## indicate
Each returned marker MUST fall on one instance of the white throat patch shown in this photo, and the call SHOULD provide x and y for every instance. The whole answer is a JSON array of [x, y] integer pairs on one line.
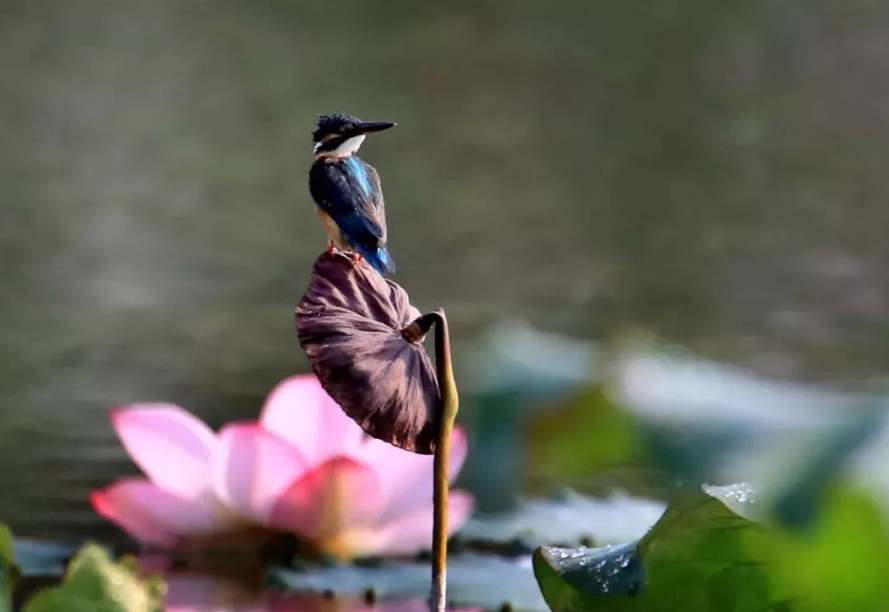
[[350, 146], [346, 149]]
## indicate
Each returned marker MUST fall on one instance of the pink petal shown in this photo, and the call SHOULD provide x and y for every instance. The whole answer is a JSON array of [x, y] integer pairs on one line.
[[406, 478], [300, 411], [412, 533], [253, 468], [172, 447], [331, 499], [157, 517]]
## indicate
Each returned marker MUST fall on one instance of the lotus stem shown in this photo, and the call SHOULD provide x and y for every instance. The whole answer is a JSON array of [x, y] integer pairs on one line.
[[449, 405]]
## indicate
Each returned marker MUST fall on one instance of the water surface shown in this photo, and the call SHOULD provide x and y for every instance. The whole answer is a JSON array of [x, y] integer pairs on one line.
[[712, 173]]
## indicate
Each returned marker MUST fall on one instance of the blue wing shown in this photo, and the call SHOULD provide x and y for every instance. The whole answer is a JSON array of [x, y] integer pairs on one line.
[[349, 191]]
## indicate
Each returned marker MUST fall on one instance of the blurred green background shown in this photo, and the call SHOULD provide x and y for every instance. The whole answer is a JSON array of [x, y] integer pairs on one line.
[[711, 172]]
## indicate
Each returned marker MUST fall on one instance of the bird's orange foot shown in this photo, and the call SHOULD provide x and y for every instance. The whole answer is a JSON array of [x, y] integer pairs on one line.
[[331, 249], [356, 257]]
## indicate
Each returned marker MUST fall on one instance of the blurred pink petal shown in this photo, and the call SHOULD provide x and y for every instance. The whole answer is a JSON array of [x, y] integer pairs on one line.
[[157, 517], [413, 532], [307, 468], [302, 413], [406, 478], [326, 503], [253, 468], [172, 447]]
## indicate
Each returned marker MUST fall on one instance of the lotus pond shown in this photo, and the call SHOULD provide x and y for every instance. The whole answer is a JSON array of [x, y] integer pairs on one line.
[[658, 232], [801, 524]]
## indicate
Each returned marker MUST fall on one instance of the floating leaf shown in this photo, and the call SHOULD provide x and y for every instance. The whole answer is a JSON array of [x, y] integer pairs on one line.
[[95, 583], [473, 580], [589, 435], [842, 561], [700, 557], [570, 518], [668, 384], [350, 323], [610, 570], [516, 372], [741, 499], [9, 571], [707, 422], [713, 422], [513, 357], [703, 556], [40, 558], [814, 465]]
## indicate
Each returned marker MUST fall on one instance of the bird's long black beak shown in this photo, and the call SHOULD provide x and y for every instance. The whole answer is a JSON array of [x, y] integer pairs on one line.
[[368, 127]]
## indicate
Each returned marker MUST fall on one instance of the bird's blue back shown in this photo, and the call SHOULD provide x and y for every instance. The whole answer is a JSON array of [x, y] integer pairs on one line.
[[348, 189], [356, 167]]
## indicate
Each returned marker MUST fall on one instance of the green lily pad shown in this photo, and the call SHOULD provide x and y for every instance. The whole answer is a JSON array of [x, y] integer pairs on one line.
[[610, 570], [842, 561], [559, 444], [94, 582], [705, 421], [816, 465], [9, 571], [42, 558], [707, 555], [700, 557], [515, 372]]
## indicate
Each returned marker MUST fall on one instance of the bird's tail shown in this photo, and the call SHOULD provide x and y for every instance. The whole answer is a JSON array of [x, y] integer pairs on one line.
[[380, 260]]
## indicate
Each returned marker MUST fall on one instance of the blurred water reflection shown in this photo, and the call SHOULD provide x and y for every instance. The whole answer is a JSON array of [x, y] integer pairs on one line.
[[195, 592], [714, 173]]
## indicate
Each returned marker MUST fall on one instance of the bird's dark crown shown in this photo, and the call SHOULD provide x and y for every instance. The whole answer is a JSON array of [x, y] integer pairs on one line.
[[335, 125]]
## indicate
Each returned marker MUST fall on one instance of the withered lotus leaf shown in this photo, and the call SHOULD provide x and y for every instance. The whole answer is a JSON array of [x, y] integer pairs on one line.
[[350, 323]]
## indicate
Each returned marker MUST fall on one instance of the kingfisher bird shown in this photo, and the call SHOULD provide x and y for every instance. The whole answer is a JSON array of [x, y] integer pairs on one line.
[[347, 190]]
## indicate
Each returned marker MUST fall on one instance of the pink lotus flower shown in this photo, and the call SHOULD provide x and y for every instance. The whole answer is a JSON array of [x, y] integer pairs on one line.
[[304, 468]]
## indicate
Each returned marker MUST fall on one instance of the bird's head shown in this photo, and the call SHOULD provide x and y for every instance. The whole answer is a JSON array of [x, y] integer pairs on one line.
[[341, 135]]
